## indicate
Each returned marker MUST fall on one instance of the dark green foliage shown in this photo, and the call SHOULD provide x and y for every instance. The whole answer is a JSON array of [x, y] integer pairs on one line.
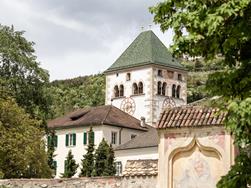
[[88, 158], [110, 169], [101, 158], [219, 30], [77, 93], [104, 160], [22, 151], [51, 144], [22, 74], [70, 166]]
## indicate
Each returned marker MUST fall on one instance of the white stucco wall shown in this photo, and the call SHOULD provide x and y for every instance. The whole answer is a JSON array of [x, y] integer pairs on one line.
[[136, 154], [148, 105], [101, 131]]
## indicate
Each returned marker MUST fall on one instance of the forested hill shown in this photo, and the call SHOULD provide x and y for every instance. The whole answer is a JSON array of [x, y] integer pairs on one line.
[[70, 94], [85, 91]]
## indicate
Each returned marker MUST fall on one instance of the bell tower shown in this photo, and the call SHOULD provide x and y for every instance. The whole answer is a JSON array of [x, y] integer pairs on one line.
[[145, 79]]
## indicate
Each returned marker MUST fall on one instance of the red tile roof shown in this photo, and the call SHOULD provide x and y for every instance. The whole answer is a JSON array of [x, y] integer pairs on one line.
[[147, 167], [190, 116], [101, 115]]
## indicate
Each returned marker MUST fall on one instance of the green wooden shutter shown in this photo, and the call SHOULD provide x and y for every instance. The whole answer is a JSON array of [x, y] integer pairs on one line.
[[66, 140], [55, 141], [74, 139], [93, 136], [48, 140], [85, 138]]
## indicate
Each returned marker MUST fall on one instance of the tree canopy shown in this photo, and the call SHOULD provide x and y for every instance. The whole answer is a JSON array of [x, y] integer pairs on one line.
[[22, 151], [218, 29], [22, 74]]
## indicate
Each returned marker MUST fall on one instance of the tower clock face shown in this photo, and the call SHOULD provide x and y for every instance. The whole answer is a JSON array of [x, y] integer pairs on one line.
[[128, 105], [168, 103]]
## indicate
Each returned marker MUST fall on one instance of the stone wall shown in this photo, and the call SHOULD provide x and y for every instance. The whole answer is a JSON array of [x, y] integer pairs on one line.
[[105, 182]]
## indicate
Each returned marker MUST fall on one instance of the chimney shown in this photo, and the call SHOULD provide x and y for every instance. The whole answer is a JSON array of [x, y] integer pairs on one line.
[[143, 122]]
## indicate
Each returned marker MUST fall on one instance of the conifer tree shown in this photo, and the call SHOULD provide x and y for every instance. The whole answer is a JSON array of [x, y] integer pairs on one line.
[[110, 169], [88, 161], [51, 144], [70, 166], [101, 158]]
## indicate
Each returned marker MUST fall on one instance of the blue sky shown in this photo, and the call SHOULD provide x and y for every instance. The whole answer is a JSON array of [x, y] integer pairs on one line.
[[75, 37]]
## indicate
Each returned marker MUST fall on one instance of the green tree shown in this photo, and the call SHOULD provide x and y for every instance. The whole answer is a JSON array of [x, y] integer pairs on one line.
[[22, 151], [70, 166], [101, 158], [110, 169], [213, 29], [51, 144], [20, 70], [88, 158]]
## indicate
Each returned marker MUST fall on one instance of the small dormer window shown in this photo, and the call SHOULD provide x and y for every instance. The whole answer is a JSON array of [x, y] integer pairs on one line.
[[180, 77], [128, 76], [160, 73]]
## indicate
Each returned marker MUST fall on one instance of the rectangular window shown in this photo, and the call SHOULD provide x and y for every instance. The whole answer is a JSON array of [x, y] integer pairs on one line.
[[160, 73], [114, 138], [128, 76], [133, 136], [118, 166], [70, 139], [54, 168], [180, 77]]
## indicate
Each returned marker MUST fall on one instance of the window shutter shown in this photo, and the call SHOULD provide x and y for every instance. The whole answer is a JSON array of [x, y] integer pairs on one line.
[[65, 164], [48, 140], [93, 134], [55, 141], [66, 140], [85, 138], [74, 139]]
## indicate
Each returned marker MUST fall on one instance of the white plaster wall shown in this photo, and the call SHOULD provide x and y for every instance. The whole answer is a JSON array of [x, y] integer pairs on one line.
[[137, 75], [136, 154], [125, 133], [150, 104], [78, 151], [101, 131]]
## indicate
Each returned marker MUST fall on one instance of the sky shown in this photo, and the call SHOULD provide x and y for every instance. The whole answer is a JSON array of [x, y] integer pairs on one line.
[[80, 37]]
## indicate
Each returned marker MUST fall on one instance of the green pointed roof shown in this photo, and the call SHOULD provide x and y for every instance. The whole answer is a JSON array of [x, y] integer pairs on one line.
[[145, 49]]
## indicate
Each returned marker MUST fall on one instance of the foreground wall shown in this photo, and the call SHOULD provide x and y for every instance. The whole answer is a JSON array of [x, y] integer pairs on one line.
[[109, 182]]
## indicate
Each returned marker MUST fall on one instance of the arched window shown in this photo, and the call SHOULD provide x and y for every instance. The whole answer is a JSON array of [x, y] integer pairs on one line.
[[116, 91], [159, 88], [135, 89], [164, 88], [121, 90], [140, 88], [178, 92], [174, 90]]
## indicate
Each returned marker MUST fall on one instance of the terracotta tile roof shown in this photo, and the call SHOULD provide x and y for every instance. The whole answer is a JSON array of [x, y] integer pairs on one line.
[[147, 167], [101, 115], [148, 139], [190, 116]]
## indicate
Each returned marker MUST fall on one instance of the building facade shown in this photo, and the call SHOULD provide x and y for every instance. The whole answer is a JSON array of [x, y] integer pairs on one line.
[[145, 79]]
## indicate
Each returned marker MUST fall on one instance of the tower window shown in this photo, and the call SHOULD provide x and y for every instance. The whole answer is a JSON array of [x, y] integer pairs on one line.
[[164, 88], [121, 90], [135, 89], [174, 90], [128, 76], [159, 88], [140, 88], [160, 73], [178, 92], [116, 91], [180, 77]]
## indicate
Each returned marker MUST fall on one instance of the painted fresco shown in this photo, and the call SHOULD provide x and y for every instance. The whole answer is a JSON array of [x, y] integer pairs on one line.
[[196, 169]]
